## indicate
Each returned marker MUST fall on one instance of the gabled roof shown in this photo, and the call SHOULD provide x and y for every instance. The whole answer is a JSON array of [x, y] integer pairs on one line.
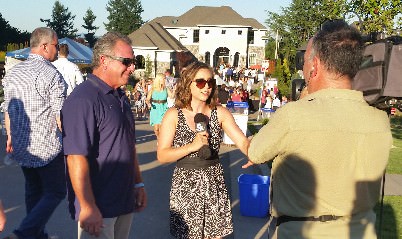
[[213, 16], [154, 35], [255, 24]]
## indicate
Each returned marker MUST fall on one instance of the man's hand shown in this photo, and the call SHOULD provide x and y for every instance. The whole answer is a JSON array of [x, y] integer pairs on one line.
[[2, 217], [91, 220], [248, 164], [141, 199], [9, 146]]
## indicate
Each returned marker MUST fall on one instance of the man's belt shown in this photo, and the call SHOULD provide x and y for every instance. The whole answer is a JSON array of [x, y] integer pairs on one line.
[[322, 218], [159, 101]]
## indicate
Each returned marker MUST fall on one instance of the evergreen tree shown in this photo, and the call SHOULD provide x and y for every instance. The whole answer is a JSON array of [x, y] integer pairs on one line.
[[124, 16], [11, 34], [62, 21], [89, 19], [270, 49]]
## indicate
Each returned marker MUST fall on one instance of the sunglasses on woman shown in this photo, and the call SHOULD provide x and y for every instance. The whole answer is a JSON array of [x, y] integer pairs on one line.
[[200, 83]]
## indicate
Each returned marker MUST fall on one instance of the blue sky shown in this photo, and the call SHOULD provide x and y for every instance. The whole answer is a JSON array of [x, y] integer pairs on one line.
[[25, 14]]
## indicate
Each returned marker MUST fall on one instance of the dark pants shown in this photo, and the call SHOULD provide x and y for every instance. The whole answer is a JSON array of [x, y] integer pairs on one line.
[[45, 188]]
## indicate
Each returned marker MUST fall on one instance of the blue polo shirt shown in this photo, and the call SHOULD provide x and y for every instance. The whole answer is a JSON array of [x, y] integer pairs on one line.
[[98, 123]]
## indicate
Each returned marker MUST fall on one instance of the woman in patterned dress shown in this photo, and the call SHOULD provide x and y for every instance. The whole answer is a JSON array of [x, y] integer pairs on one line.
[[140, 103], [199, 202]]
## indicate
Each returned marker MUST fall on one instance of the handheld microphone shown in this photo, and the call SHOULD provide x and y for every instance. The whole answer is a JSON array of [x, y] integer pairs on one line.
[[200, 121]]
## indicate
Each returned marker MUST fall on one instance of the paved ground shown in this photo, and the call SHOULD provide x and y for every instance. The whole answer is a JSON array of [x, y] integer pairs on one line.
[[153, 222]]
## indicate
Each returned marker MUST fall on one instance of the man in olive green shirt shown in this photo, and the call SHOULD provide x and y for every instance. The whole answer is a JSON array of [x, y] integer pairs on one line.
[[330, 148]]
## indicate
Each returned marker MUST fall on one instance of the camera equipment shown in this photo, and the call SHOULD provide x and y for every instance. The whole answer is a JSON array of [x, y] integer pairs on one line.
[[297, 87], [379, 76]]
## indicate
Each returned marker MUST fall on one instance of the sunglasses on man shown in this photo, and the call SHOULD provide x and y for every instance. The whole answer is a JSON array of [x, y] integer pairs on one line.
[[200, 83], [125, 61]]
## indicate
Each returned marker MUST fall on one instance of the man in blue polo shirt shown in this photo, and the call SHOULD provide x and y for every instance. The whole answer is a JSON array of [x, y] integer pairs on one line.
[[99, 141]]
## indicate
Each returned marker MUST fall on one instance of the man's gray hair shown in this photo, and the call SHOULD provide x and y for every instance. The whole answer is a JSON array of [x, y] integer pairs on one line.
[[41, 35], [105, 46]]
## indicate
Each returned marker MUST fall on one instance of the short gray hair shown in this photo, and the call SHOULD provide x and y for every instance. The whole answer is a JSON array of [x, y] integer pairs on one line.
[[40, 35], [105, 45]]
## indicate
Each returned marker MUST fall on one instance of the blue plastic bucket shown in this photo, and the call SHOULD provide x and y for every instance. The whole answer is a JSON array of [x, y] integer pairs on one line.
[[254, 195]]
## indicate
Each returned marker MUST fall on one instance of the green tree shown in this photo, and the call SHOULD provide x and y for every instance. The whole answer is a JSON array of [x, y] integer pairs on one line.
[[62, 21], [378, 16], [148, 66], [295, 25], [124, 16], [300, 21], [270, 49], [11, 34], [283, 75], [89, 19]]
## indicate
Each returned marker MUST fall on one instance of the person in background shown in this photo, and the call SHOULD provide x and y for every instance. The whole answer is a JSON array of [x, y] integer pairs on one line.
[[71, 73], [171, 83], [34, 94], [284, 100], [236, 96], [105, 183], [3, 218], [157, 102], [276, 103], [199, 201], [140, 104], [329, 132]]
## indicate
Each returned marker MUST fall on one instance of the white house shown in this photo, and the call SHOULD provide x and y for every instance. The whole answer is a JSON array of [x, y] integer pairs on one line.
[[211, 34]]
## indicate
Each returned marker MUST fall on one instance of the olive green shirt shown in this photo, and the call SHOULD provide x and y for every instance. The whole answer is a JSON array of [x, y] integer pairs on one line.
[[330, 150]]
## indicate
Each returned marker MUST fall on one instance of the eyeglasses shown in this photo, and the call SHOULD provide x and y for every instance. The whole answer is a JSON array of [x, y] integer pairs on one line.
[[125, 61], [56, 45], [200, 83]]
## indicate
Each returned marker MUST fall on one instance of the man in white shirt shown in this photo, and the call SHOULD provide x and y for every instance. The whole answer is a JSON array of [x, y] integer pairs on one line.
[[70, 71]]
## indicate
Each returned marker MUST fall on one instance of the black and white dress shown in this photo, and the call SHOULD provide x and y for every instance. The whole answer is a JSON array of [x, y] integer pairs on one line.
[[199, 200]]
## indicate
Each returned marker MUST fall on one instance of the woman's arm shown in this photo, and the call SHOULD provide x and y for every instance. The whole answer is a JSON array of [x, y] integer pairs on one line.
[[149, 97], [165, 152]]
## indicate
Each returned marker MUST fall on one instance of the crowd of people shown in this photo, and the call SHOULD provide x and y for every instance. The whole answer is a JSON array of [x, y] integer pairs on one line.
[[327, 166], [242, 85]]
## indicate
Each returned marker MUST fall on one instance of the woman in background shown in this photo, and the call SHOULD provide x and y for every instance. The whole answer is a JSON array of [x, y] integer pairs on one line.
[[141, 96], [157, 102]]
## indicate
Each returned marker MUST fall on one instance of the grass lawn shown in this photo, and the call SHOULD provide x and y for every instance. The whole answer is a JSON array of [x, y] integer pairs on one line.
[[392, 218], [392, 211]]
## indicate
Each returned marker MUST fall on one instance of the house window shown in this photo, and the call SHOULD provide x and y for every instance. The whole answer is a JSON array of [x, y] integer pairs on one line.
[[208, 57], [206, 31], [239, 32], [250, 37], [252, 59], [223, 31], [196, 36]]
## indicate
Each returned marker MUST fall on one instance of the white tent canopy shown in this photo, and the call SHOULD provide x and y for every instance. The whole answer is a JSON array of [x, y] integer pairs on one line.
[[78, 53]]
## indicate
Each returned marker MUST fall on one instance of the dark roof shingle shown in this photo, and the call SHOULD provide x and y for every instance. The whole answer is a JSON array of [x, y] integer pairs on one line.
[[154, 35]]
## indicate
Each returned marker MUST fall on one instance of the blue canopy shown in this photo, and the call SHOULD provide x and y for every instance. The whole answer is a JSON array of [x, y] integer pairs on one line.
[[78, 53]]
